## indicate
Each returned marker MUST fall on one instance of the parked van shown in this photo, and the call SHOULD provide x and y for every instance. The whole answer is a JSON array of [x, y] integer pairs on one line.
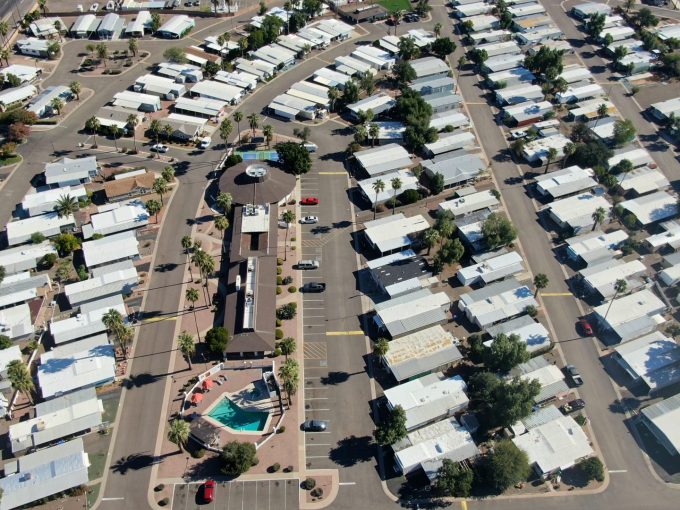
[[308, 264], [311, 147]]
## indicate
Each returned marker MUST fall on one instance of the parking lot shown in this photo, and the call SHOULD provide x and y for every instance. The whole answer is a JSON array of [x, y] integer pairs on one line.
[[260, 495]]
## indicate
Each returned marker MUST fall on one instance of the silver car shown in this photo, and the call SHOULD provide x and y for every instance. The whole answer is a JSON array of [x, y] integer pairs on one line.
[[308, 264]]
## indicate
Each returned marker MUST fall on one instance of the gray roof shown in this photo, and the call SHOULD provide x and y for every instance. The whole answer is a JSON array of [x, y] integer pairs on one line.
[[490, 291], [507, 327], [401, 270], [541, 417], [425, 363], [455, 167], [67, 168], [658, 415], [443, 99], [427, 83]]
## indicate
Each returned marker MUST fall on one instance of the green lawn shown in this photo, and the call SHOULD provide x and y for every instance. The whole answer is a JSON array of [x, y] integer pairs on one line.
[[92, 494], [96, 469], [10, 161], [396, 5]]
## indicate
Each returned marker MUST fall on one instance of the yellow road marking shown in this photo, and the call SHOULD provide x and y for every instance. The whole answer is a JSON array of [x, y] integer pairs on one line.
[[555, 294], [332, 173], [463, 505], [158, 319], [344, 333]]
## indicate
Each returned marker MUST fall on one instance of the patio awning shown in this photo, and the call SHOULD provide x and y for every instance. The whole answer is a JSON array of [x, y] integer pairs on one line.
[[196, 398], [207, 384]]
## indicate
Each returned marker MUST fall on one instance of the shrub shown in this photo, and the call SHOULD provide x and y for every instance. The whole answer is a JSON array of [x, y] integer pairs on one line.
[[288, 280], [592, 468], [277, 352], [580, 419], [198, 454], [217, 339], [317, 493], [232, 159], [309, 484], [279, 334], [292, 289], [288, 469], [531, 311], [292, 248], [286, 312], [410, 196], [278, 323], [380, 208], [275, 467], [159, 487], [279, 261], [279, 270], [48, 260], [164, 502], [281, 430], [292, 201], [279, 280], [293, 239], [5, 342], [278, 290]]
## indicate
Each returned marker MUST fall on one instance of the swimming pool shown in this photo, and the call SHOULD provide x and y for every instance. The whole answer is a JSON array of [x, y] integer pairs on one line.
[[231, 415]]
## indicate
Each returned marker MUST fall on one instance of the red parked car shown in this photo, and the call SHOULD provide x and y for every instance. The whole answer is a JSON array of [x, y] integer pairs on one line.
[[309, 201], [208, 491], [585, 327]]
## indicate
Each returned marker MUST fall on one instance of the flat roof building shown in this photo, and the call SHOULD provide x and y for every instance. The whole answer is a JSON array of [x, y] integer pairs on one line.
[[16, 322], [595, 247], [111, 26], [483, 22], [565, 182], [137, 101], [653, 359], [71, 172], [579, 92], [496, 302], [22, 287], [653, 207], [176, 27], [33, 47], [41, 105], [429, 66], [352, 66], [113, 248], [119, 281], [383, 159], [117, 219], [218, 91], [394, 232], [600, 279], [400, 273], [200, 107], [532, 333], [428, 399], [641, 181], [536, 151], [632, 315], [16, 95], [450, 119], [453, 142], [139, 25], [331, 78], [669, 237], [470, 203], [502, 63], [576, 212], [165, 88], [414, 311], [517, 94], [377, 58], [49, 225], [491, 269], [638, 157], [549, 376], [433, 85], [511, 77], [24, 258], [587, 9], [527, 113], [407, 178], [84, 26], [86, 323], [662, 419], [36, 203], [238, 79], [377, 103]]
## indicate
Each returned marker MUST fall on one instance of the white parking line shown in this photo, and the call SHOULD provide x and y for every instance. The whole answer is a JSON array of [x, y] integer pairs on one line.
[[318, 444], [317, 410], [310, 308], [316, 398], [313, 300], [315, 316], [317, 456], [347, 483], [317, 388]]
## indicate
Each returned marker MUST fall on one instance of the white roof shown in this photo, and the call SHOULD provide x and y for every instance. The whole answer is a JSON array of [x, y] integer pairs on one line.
[[335, 26], [177, 24], [566, 181], [12, 353], [21, 287], [670, 31], [538, 149], [589, 8], [134, 100], [528, 110], [617, 32], [428, 66], [518, 74], [532, 333], [125, 217], [44, 201], [473, 9], [376, 102], [349, 65], [421, 37], [141, 21], [115, 282], [392, 232], [110, 248], [497, 302], [499, 48], [407, 178], [13, 95], [238, 79], [626, 310], [526, 10], [602, 277], [588, 108], [217, 90], [330, 78], [26, 257], [653, 207], [15, 322], [67, 169], [374, 55], [48, 224], [24, 73], [577, 211], [545, 375], [575, 73], [451, 142], [580, 91], [410, 312], [492, 269], [503, 62], [470, 203], [665, 416], [86, 323], [444, 439], [670, 275], [482, 22], [383, 159], [643, 180], [638, 157], [80, 364], [43, 473], [428, 398], [85, 23], [453, 118], [558, 444], [200, 105], [654, 358], [670, 236], [160, 84], [33, 44], [596, 245]]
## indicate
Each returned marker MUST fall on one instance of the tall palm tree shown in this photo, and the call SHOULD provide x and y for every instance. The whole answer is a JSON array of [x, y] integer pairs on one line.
[[238, 117], [66, 205], [20, 378], [160, 186], [42, 5], [254, 122], [288, 217], [287, 346], [569, 149], [289, 372], [396, 186], [57, 104], [186, 345], [226, 127], [333, 95], [113, 320], [191, 295], [598, 216], [93, 126], [381, 348], [378, 187], [197, 258], [153, 207], [431, 238], [540, 282], [287, 7], [268, 133], [224, 201], [132, 121], [397, 16], [373, 132], [178, 433], [620, 286], [206, 265], [221, 224], [550, 157], [155, 129], [187, 243], [75, 88], [4, 30]]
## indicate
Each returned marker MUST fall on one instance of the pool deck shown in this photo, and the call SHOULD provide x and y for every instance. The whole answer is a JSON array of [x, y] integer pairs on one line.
[[244, 399]]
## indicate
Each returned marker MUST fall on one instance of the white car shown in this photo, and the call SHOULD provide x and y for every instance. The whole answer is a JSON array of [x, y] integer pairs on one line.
[[159, 147], [204, 143], [310, 219]]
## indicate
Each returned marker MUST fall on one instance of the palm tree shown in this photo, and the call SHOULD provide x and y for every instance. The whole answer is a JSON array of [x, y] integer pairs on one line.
[[178, 433], [540, 282], [168, 131], [287, 346], [225, 132], [333, 95], [380, 348], [57, 104], [221, 224], [373, 132], [287, 6], [268, 132], [4, 55], [191, 295], [224, 201], [4, 30], [113, 320], [238, 117], [206, 265], [396, 186], [254, 122], [75, 88], [132, 46], [289, 372], [20, 378], [437, 29], [397, 15], [569, 149], [160, 186], [93, 125], [153, 207], [303, 134], [550, 157], [378, 187], [186, 345], [602, 110], [42, 5], [598, 216], [288, 217], [58, 27], [620, 286], [116, 132], [66, 205], [155, 129], [431, 238], [243, 44], [132, 121], [102, 52], [187, 243]]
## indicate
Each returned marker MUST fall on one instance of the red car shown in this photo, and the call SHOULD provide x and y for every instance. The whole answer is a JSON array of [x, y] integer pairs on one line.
[[208, 491], [309, 201], [586, 328]]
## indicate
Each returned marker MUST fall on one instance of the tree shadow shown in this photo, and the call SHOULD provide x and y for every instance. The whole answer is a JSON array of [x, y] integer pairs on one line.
[[353, 450], [136, 462], [139, 380]]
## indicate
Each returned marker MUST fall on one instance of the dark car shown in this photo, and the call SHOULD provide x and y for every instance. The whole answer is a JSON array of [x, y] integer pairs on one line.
[[208, 491], [585, 327], [574, 405], [309, 201], [315, 426], [314, 287], [574, 375]]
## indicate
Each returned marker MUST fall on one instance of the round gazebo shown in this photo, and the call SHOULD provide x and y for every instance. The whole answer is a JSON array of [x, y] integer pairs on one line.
[[257, 182]]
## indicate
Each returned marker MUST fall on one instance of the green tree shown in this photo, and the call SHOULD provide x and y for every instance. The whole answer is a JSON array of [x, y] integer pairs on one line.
[[160, 187], [505, 353], [505, 466], [540, 282], [598, 216], [431, 238], [133, 46], [378, 186], [408, 49], [592, 468], [392, 428], [191, 295], [92, 124], [238, 117], [645, 18], [37, 237], [289, 372], [454, 480], [396, 186], [568, 151], [550, 157], [288, 217], [545, 59], [437, 29], [294, 158], [268, 133], [168, 174], [66, 205], [175, 55], [498, 231], [218, 338], [153, 207], [238, 458], [381, 347], [253, 122], [333, 95], [595, 24], [437, 183], [500, 403], [186, 345], [373, 132], [75, 89], [367, 83], [396, 16], [479, 56], [20, 378], [226, 127], [5, 342], [224, 201], [403, 73], [221, 224], [443, 47], [102, 52], [66, 243], [287, 346], [624, 132], [178, 433], [4, 30], [42, 5], [350, 94]]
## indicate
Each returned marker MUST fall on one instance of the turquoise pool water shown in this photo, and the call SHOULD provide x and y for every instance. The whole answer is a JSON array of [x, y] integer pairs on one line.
[[231, 415]]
